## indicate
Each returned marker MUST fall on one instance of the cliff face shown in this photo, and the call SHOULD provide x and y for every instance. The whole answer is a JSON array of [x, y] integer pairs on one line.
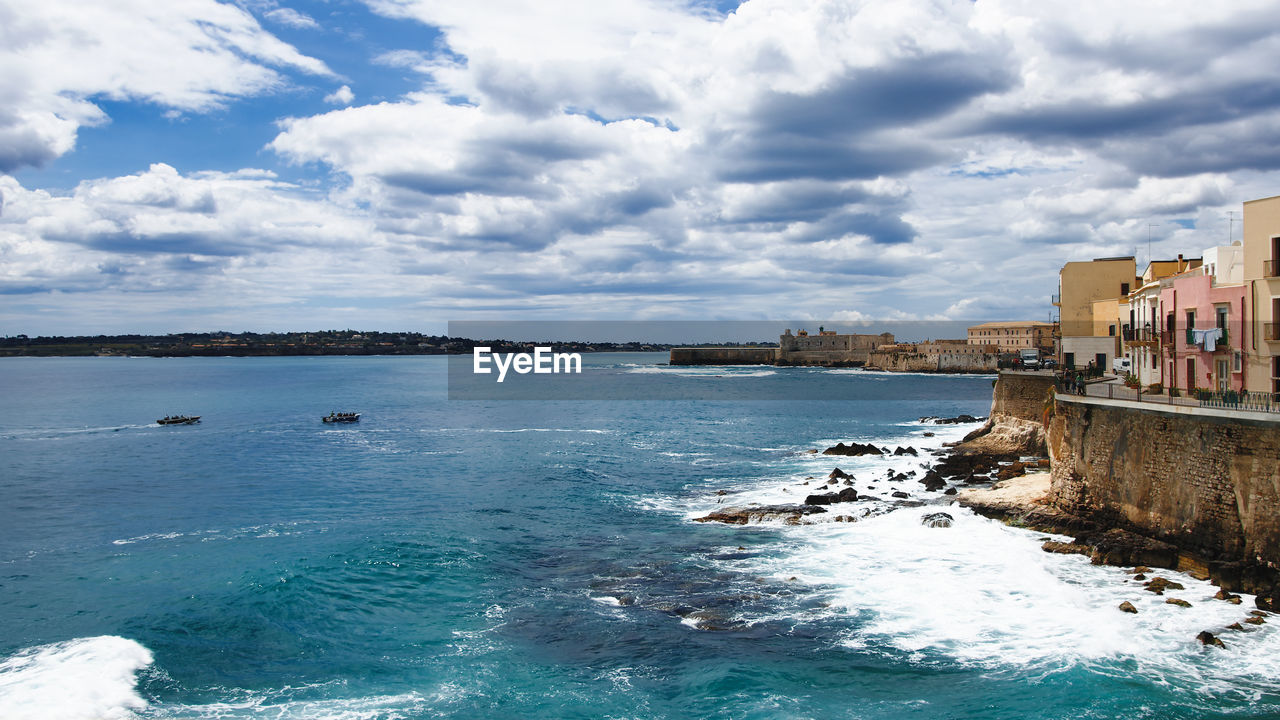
[[1015, 425]]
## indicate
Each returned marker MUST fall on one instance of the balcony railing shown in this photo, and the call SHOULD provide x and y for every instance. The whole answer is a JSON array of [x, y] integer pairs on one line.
[[1271, 331], [1056, 298], [1271, 268]]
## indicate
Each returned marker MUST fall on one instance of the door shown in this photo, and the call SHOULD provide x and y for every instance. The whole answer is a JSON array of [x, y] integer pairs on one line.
[[1224, 376], [1069, 360], [1100, 362], [1191, 374]]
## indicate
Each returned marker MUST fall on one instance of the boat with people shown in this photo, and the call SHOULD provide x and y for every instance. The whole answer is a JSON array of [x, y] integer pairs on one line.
[[334, 417], [178, 420]]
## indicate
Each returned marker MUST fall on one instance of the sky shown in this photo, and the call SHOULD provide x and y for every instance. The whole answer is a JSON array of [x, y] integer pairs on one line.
[[271, 165]]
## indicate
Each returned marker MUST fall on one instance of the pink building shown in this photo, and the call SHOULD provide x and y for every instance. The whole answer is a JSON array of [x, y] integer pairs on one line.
[[1204, 326]]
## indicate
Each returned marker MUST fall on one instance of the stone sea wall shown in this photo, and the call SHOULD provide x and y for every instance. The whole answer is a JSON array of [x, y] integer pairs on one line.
[[1205, 482], [1015, 424], [723, 356], [934, 362]]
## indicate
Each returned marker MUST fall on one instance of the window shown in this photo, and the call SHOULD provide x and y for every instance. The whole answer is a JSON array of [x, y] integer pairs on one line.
[[1124, 288], [1111, 330], [1237, 361]]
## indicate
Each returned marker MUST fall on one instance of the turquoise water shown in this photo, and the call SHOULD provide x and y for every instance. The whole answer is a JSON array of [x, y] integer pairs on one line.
[[538, 559]]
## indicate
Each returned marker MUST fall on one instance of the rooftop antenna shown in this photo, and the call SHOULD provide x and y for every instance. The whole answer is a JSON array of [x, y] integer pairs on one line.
[[1231, 226]]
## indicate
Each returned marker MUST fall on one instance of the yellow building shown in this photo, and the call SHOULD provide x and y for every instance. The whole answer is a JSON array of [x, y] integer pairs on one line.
[[1262, 280], [1080, 285], [1014, 335]]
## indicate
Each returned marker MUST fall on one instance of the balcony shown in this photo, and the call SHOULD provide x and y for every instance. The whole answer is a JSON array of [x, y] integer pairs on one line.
[[1141, 337], [1271, 268], [1056, 299], [1222, 343], [1271, 331]]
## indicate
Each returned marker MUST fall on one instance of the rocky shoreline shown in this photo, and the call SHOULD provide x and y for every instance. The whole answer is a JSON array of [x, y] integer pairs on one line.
[[1000, 471]]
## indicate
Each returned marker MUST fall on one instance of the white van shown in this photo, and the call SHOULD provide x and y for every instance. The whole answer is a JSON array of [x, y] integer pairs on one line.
[[1122, 366], [1030, 358]]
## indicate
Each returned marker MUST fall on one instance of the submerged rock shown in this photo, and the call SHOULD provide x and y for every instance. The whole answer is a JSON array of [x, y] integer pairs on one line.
[[951, 421], [1256, 620], [761, 513], [1228, 596], [1128, 607], [1064, 548], [937, 520], [1158, 585], [845, 495], [1235, 626], [853, 449], [1207, 638], [1178, 602]]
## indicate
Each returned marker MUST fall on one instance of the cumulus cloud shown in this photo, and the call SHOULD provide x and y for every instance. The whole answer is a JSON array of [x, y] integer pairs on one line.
[[57, 58], [292, 18], [341, 96], [910, 159]]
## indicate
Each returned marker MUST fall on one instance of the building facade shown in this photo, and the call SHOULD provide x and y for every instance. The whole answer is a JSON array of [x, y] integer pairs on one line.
[[1013, 336], [1080, 286], [1262, 282]]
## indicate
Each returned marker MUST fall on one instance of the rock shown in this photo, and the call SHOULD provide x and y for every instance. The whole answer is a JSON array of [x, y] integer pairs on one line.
[[1044, 463], [900, 494], [1267, 603], [839, 474], [1178, 602], [1207, 638], [1256, 621], [761, 513], [1128, 607], [1141, 569], [845, 495], [932, 481], [853, 449], [1012, 470], [1063, 548], [1121, 547], [950, 491], [1139, 576], [1226, 595], [1158, 585], [952, 421], [1257, 613], [722, 492], [937, 520], [908, 450], [1235, 626], [811, 451], [928, 434]]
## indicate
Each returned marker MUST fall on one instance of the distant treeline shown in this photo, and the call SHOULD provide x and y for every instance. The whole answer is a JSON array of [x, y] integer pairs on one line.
[[326, 342]]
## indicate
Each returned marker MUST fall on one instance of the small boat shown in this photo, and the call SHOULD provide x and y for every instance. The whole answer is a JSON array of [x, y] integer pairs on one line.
[[179, 420], [341, 417]]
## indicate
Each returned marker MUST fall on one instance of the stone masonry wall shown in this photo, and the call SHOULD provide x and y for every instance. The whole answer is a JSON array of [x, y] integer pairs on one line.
[[723, 356], [1021, 395], [1210, 485]]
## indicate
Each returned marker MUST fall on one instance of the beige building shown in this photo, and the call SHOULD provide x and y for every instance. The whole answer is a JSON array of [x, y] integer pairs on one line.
[[1262, 293], [1014, 335], [1080, 286]]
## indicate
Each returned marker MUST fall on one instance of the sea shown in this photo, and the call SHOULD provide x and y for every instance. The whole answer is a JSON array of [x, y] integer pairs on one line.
[[499, 558]]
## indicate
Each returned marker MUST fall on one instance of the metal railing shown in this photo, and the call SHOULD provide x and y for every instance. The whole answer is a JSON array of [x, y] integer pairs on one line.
[[1271, 268], [1055, 299], [1228, 400], [1271, 330]]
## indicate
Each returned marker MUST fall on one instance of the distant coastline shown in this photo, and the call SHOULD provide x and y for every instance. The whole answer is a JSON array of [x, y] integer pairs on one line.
[[327, 342]]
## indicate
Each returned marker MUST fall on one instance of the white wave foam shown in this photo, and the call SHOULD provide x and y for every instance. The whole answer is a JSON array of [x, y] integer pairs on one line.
[[378, 707], [707, 371], [89, 678], [983, 593]]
